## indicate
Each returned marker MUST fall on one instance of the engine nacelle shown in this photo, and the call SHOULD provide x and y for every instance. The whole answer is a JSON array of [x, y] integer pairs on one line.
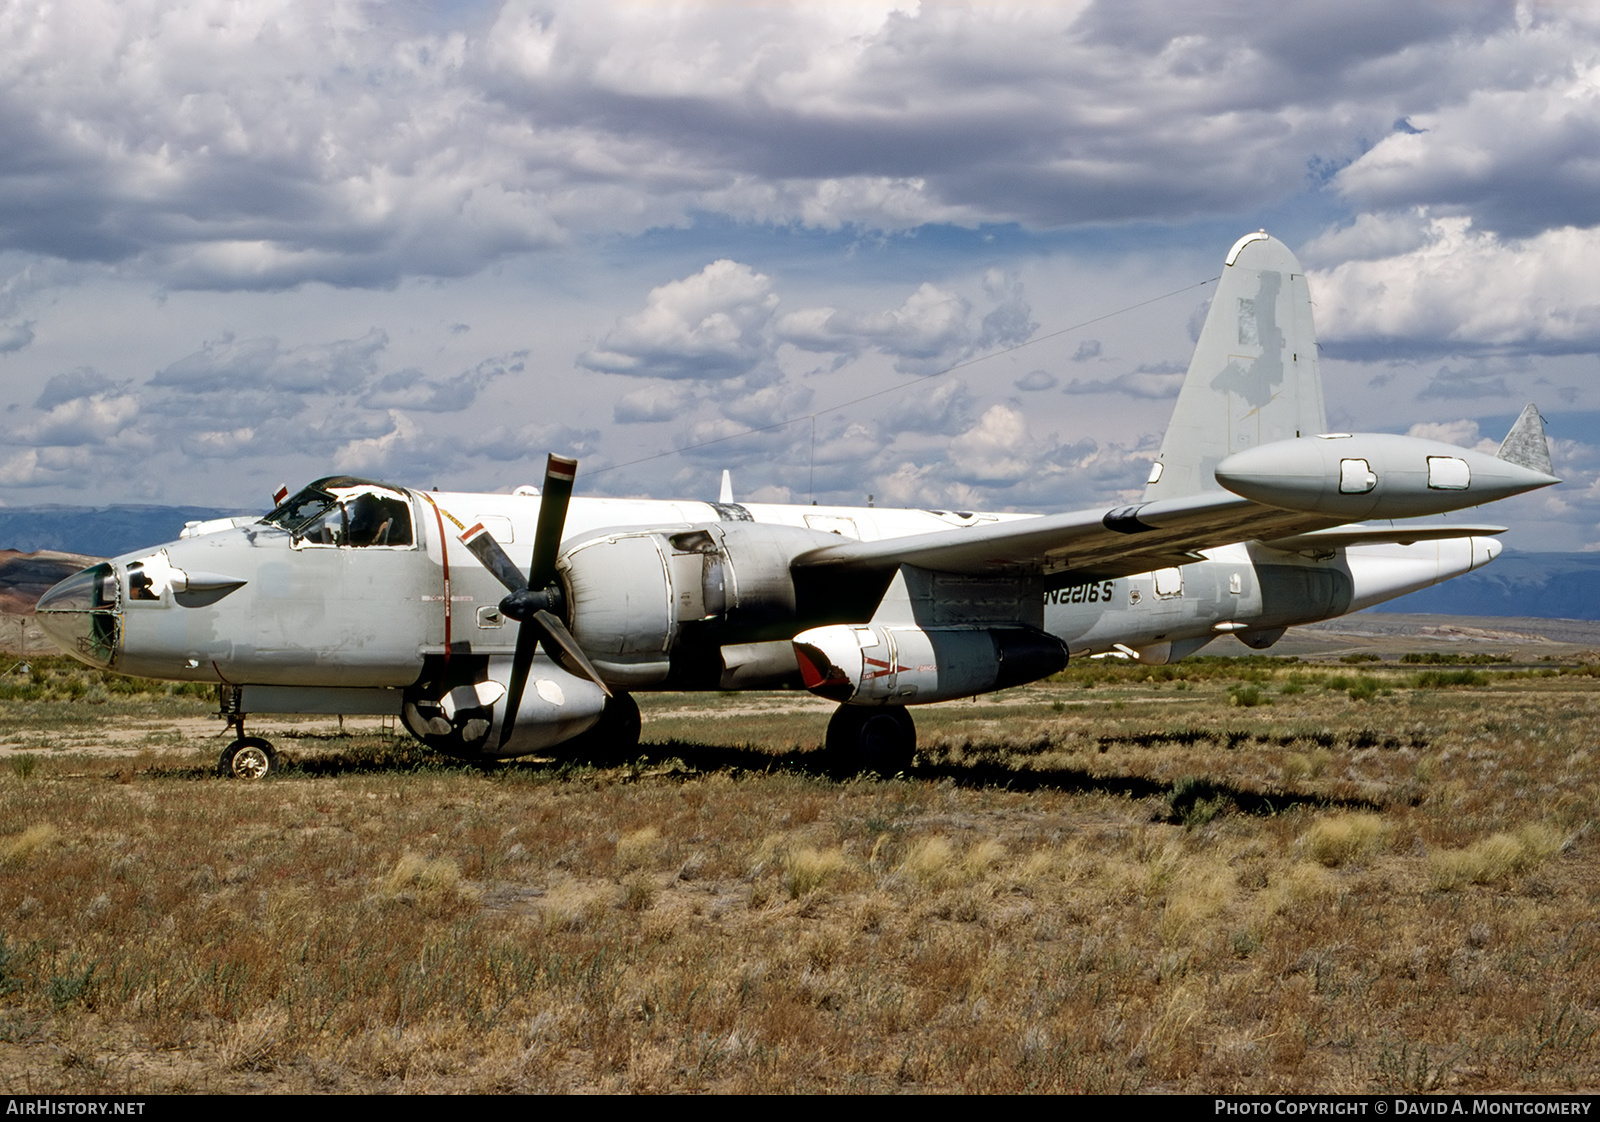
[[459, 707], [876, 664], [631, 594]]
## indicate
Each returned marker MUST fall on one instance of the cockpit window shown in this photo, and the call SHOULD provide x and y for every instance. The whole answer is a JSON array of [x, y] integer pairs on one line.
[[295, 512], [346, 512], [374, 519]]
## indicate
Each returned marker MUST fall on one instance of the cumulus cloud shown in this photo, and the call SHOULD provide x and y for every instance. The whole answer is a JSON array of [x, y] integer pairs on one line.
[[930, 332], [945, 408], [1370, 237], [75, 383], [261, 146], [531, 442], [226, 364], [1035, 380], [82, 420], [15, 336], [1464, 432], [998, 450], [1466, 290], [710, 325], [767, 405], [657, 402], [377, 452], [1518, 152], [1151, 382], [44, 467], [412, 389]]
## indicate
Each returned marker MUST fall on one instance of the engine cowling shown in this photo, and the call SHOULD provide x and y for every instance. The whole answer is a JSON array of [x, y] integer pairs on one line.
[[636, 596], [876, 664]]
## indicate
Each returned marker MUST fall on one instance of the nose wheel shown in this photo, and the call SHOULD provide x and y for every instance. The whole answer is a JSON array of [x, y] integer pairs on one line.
[[249, 757]]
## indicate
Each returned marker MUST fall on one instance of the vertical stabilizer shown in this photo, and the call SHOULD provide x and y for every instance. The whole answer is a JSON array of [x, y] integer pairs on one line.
[[1525, 445], [1253, 378]]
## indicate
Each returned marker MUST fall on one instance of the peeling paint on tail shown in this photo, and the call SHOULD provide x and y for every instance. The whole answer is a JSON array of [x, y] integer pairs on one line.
[[1254, 376]]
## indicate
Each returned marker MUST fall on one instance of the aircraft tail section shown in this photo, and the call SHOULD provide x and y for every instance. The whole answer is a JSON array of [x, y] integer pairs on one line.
[[1253, 377]]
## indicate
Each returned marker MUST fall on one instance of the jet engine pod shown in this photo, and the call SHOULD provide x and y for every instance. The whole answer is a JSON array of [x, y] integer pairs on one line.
[[875, 664], [1373, 475]]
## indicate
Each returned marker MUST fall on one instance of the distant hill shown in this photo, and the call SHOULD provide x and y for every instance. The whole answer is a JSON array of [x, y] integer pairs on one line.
[[24, 577], [97, 531], [1541, 585]]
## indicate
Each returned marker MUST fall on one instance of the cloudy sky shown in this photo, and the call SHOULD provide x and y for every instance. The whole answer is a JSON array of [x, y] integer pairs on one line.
[[941, 254]]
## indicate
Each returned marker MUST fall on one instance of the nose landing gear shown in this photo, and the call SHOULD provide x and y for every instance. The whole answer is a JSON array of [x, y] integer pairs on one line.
[[248, 757]]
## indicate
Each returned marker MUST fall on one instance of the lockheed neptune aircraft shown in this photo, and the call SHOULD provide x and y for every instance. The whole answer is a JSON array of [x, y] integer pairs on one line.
[[358, 597]]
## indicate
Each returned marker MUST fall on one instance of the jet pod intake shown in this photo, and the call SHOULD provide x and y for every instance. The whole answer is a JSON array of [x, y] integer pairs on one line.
[[1373, 475], [903, 665]]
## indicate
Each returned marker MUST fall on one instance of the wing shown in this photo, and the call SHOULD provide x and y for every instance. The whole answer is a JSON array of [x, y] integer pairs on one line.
[[1084, 545], [1102, 544]]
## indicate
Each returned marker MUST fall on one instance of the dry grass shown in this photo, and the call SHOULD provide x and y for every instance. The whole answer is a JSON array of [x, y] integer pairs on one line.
[[433, 886], [24, 847], [1494, 859], [1121, 888], [1342, 838]]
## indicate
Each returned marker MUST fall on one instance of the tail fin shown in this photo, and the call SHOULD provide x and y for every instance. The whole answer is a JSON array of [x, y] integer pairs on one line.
[[1525, 445], [1253, 377]]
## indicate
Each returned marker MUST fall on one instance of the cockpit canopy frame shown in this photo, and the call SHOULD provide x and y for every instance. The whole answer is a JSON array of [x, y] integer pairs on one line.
[[345, 511]]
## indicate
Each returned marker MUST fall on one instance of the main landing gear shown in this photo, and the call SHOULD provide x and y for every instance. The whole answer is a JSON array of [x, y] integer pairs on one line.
[[615, 736], [863, 738]]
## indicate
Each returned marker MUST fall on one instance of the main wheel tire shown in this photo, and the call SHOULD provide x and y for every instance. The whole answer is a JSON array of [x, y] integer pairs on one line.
[[614, 736], [249, 757], [863, 739]]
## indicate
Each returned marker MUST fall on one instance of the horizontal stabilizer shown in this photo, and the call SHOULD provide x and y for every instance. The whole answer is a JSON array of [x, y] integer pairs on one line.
[[1387, 533], [1525, 445]]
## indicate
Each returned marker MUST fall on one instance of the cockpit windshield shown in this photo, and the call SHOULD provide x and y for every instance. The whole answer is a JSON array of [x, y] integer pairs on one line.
[[298, 510], [343, 511]]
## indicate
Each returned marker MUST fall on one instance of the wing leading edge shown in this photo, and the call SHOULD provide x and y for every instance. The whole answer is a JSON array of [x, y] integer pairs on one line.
[[1081, 545]]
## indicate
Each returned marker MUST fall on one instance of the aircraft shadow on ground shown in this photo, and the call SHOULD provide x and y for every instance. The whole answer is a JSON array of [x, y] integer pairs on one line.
[[684, 760]]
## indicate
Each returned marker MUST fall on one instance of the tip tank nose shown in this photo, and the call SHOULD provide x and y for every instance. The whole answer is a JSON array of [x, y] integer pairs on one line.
[[1485, 550]]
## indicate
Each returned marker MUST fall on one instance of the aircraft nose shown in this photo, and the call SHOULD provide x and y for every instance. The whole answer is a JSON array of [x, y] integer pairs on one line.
[[81, 615]]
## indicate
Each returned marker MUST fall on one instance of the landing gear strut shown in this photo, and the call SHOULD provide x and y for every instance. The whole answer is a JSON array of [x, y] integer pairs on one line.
[[871, 738], [248, 757]]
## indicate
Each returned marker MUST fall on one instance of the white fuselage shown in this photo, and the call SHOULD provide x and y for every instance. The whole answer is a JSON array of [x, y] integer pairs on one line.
[[316, 614]]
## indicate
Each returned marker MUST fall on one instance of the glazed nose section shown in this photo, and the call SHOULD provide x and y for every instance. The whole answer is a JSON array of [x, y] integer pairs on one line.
[[82, 617]]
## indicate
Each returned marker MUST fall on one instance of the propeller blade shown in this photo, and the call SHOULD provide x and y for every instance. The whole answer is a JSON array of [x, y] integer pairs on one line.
[[521, 664], [538, 590], [558, 639], [488, 552], [559, 473]]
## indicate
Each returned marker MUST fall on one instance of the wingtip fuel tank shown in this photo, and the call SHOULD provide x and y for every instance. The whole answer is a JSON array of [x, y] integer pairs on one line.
[[1373, 475]]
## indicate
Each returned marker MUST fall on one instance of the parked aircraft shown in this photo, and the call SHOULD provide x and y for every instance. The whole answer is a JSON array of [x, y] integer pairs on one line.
[[501, 625]]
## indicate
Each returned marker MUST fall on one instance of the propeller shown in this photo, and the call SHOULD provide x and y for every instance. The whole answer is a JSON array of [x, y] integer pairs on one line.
[[536, 601]]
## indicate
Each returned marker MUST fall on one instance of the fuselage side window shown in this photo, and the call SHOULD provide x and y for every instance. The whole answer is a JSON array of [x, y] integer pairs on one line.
[[374, 519]]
